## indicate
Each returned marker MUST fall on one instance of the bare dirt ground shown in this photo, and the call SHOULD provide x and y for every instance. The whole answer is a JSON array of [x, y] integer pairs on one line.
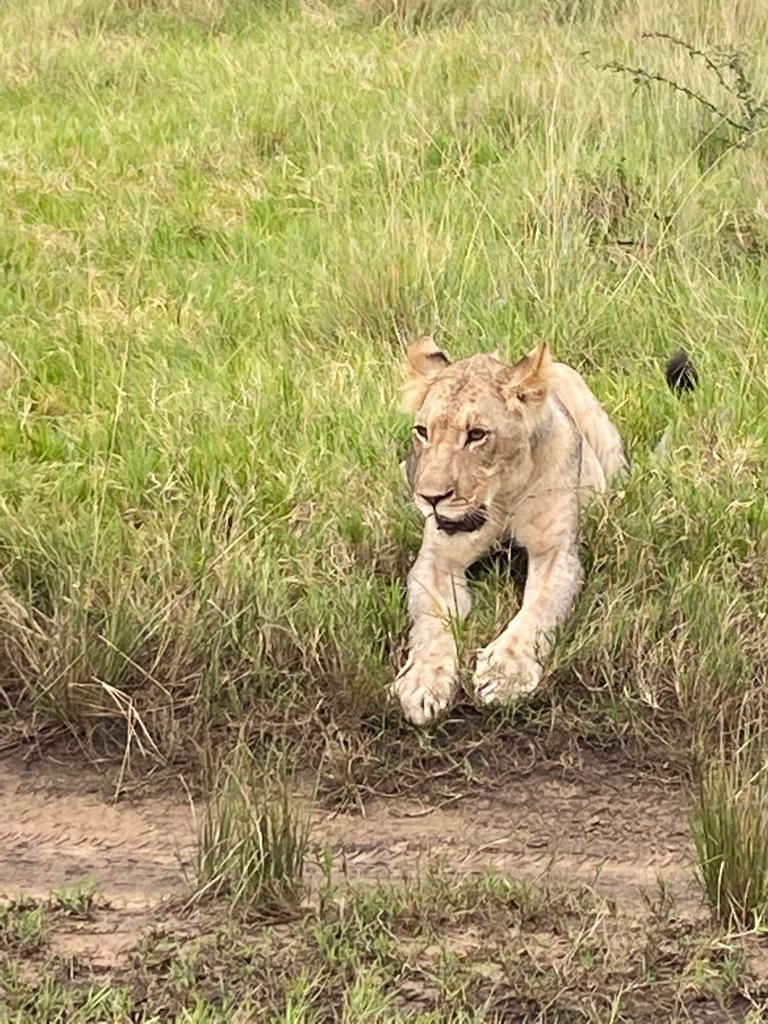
[[601, 825]]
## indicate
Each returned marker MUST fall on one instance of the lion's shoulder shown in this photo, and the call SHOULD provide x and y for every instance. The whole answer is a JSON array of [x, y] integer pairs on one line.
[[590, 418]]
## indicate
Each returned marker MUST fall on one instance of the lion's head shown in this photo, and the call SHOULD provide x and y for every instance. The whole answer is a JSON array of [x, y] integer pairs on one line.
[[475, 429]]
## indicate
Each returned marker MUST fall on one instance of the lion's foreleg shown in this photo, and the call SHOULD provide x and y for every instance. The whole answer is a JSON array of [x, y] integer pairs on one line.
[[513, 664], [437, 595]]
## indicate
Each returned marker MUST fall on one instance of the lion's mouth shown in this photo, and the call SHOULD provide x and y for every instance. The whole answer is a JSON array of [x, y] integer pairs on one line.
[[467, 524]]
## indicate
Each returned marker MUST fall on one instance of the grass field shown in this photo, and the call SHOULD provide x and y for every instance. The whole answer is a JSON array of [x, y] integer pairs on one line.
[[487, 949], [221, 221]]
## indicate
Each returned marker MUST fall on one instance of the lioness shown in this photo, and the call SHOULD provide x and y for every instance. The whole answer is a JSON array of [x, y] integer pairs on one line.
[[499, 451]]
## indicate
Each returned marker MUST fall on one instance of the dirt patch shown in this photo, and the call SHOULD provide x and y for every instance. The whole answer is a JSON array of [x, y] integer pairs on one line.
[[602, 826], [104, 941], [56, 829], [599, 823]]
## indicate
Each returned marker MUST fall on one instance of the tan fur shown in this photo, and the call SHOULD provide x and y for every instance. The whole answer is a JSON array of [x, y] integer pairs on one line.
[[548, 445]]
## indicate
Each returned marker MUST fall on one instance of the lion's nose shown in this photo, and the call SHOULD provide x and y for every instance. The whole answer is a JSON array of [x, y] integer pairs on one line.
[[435, 499]]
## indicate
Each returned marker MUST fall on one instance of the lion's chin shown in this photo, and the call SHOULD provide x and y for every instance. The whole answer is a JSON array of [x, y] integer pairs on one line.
[[466, 524]]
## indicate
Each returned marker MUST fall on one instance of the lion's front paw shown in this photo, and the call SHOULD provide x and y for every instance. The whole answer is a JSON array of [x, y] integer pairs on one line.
[[503, 673], [424, 689]]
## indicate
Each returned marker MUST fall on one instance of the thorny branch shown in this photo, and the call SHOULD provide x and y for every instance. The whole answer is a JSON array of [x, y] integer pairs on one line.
[[692, 52], [643, 77], [719, 62]]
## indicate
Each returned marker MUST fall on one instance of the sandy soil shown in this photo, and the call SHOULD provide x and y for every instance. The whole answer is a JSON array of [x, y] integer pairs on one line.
[[601, 825]]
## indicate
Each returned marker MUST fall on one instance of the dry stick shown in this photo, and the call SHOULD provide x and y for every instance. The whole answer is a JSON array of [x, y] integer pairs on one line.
[[693, 52], [741, 88], [643, 77]]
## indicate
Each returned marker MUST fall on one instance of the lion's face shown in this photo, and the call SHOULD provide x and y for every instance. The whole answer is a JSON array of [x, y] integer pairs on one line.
[[474, 424]]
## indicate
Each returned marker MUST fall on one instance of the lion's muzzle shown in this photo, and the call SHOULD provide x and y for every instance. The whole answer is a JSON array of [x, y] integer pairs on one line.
[[466, 524]]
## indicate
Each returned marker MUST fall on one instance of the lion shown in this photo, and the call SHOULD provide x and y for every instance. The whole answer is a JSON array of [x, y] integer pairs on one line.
[[499, 452]]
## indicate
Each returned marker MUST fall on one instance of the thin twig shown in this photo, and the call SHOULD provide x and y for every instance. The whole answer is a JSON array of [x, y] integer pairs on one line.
[[643, 76], [692, 52]]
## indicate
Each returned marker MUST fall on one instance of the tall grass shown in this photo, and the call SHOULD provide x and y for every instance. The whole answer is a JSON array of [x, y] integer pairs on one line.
[[252, 842], [220, 221], [729, 822]]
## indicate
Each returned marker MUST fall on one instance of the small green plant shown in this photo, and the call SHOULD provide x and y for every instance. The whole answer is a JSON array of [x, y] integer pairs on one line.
[[729, 822], [23, 927], [253, 842], [78, 900]]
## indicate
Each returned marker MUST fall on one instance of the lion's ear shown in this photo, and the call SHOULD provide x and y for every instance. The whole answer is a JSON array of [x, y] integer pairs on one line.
[[529, 378], [423, 362]]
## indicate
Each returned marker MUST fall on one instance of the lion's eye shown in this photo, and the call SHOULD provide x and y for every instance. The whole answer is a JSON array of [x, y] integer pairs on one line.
[[476, 434], [421, 431]]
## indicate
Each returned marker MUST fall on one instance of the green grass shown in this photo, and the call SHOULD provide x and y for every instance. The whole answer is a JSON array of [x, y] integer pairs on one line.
[[78, 901], [26, 924], [439, 950], [221, 219], [729, 820], [253, 841], [22, 926]]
